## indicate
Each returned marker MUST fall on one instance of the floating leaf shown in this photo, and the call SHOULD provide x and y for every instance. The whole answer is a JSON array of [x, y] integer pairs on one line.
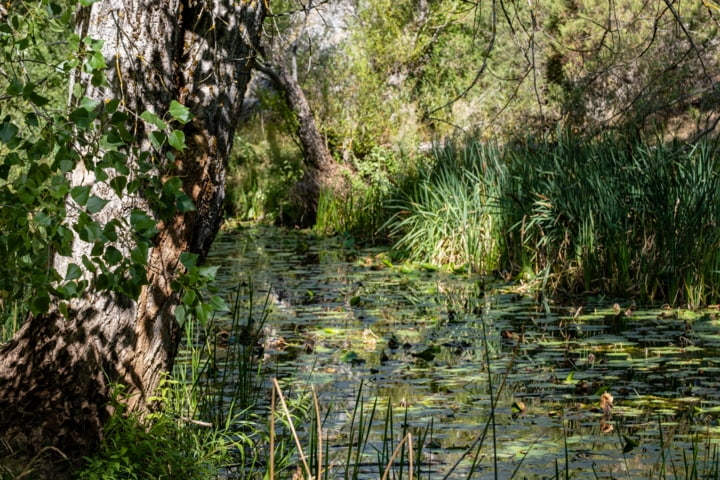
[[518, 406], [630, 444], [427, 354]]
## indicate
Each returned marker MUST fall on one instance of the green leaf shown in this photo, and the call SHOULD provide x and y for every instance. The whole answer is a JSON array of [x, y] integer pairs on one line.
[[209, 272], [109, 231], [142, 223], [73, 272], [139, 255], [105, 281], [29, 93], [81, 117], [15, 88], [185, 203], [32, 119], [203, 312], [112, 255], [157, 139], [180, 315], [40, 303], [87, 3], [177, 140], [97, 62], [43, 219], [428, 354], [38, 99], [95, 204], [189, 260], [118, 184], [80, 194], [190, 297], [180, 112], [89, 104], [349, 356], [153, 119], [89, 265], [7, 131], [218, 304], [630, 444]]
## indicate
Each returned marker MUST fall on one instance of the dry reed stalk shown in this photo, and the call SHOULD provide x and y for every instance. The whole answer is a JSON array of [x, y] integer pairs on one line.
[[292, 427], [396, 452]]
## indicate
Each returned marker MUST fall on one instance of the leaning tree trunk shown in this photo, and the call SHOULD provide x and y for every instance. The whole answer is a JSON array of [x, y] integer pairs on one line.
[[56, 372], [321, 171]]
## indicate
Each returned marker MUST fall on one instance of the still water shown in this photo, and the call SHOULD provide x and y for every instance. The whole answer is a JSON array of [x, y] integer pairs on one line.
[[433, 351]]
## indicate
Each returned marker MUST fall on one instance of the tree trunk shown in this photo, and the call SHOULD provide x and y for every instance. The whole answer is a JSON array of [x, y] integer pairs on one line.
[[56, 372], [321, 170]]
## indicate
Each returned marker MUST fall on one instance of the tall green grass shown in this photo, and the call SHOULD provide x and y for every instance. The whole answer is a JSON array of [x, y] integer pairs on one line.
[[207, 422], [607, 215], [451, 215]]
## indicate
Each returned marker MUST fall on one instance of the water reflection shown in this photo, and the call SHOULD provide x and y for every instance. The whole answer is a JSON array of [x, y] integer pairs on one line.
[[419, 342]]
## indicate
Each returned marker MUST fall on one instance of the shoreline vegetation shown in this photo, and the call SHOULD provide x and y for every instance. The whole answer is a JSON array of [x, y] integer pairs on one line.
[[576, 154], [613, 216]]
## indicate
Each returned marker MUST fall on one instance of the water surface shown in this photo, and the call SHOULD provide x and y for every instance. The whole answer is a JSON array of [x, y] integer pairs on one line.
[[432, 345]]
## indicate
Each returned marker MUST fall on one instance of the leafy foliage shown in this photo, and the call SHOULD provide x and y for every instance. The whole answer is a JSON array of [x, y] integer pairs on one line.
[[157, 447], [393, 75], [43, 141]]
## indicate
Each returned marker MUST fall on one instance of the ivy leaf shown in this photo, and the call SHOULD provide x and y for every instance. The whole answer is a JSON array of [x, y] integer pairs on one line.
[[15, 88], [29, 93], [112, 255], [157, 139], [203, 311], [118, 184], [139, 255], [40, 303], [180, 112], [180, 315], [190, 297], [142, 223], [81, 117], [218, 304], [43, 219], [97, 62], [189, 260]]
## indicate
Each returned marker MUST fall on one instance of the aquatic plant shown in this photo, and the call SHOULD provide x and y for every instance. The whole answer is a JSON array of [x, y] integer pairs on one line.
[[612, 215], [620, 216], [451, 216]]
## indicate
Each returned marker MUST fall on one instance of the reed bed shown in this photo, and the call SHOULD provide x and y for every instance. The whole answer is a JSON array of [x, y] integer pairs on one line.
[[610, 215]]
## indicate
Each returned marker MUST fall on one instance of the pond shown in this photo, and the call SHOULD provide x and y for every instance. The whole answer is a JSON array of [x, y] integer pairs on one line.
[[595, 388]]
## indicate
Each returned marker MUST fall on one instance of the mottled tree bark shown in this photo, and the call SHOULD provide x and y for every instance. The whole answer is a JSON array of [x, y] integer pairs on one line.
[[56, 372]]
